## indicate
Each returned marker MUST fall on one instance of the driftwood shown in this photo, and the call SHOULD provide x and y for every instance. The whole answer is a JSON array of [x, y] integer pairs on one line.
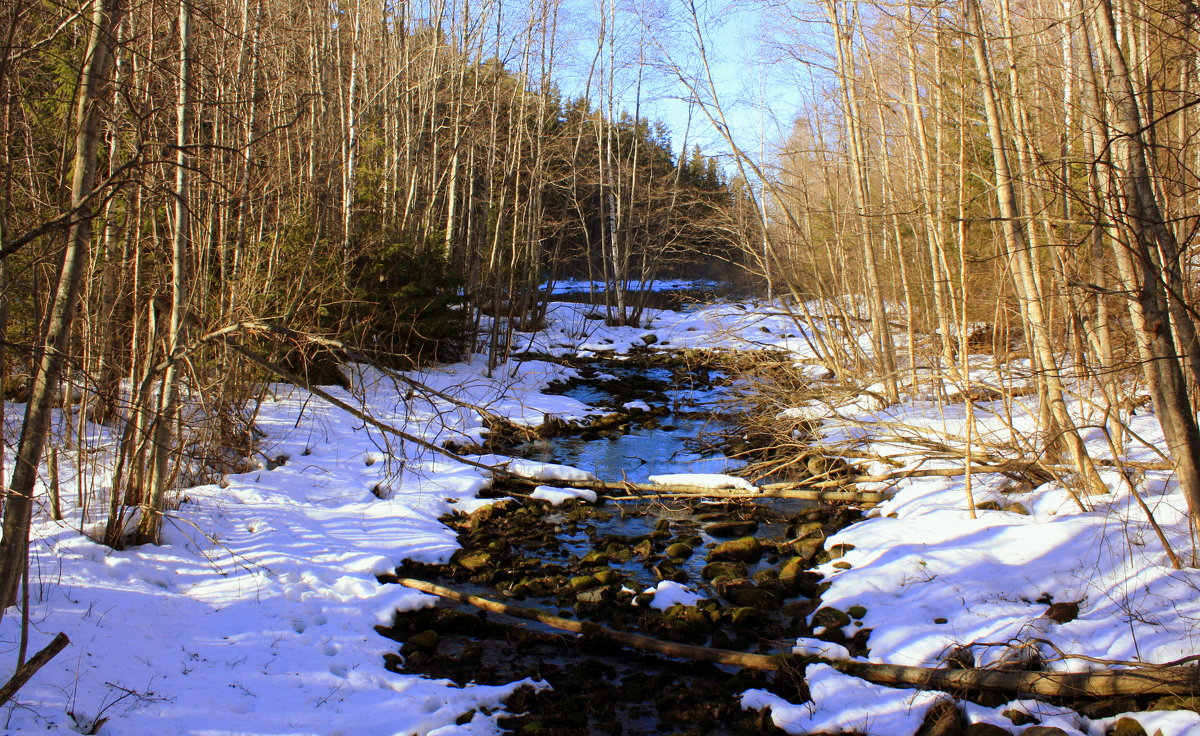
[[626, 489], [1134, 682], [624, 638], [30, 668], [813, 490]]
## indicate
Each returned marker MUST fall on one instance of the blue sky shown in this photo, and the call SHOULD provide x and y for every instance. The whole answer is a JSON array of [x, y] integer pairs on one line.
[[760, 96]]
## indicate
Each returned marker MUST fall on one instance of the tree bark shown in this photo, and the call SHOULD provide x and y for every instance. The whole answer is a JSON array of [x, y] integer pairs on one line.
[[56, 333]]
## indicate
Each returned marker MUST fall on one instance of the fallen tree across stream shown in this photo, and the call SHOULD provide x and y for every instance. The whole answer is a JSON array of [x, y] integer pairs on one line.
[[818, 489], [1133, 682]]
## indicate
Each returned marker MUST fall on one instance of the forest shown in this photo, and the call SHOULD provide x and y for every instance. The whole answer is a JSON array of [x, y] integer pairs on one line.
[[980, 206]]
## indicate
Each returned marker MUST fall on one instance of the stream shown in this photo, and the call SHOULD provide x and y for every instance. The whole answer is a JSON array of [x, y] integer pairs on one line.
[[746, 568]]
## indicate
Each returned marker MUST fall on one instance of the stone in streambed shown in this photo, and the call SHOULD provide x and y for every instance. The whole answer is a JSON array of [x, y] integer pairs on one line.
[[595, 557], [594, 595], [608, 577], [746, 549], [679, 551], [730, 529], [830, 618], [791, 569], [472, 561], [688, 621], [1127, 727], [745, 616], [806, 550], [582, 582], [425, 641], [806, 530], [751, 597], [714, 570]]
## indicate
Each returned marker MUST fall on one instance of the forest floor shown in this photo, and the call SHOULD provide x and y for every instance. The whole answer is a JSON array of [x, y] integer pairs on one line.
[[257, 614]]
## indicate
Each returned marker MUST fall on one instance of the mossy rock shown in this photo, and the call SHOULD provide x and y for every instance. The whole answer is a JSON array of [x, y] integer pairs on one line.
[[608, 577], [643, 549], [688, 621], [791, 569], [582, 582], [746, 549], [830, 618], [806, 550], [679, 551], [425, 641], [806, 530], [839, 550], [751, 597], [745, 616], [492, 511], [856, 612], [473, 560], [768, 576], [1017, 508], [595, 557], [619, 552], [1127, 727]]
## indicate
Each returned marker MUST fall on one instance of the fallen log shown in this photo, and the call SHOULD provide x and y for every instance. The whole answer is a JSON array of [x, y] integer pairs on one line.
[[626, 489], [814, 490], [1133, 682], [30, 668], [624, 638], [1125, 683]]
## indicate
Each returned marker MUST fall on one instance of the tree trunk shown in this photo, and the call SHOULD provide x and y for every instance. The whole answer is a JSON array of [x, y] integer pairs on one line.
[[166, 415], [56, 333]]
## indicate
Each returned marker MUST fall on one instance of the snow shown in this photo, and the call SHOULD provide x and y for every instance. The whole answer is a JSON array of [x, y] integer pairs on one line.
[[806, 647], [841, 703], [670, 593], [715, 481], [557, 496], [256, 614]]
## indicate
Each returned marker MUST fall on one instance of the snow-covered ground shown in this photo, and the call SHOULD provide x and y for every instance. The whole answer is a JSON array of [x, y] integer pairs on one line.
[[256, 615]]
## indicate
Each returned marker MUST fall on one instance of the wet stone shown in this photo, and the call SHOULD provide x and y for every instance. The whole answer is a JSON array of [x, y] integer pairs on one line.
[[473, 561], [730, 529], [679, 551], [714, 570], [746, 549], [425, 641], [1127, 727], [830, 618]]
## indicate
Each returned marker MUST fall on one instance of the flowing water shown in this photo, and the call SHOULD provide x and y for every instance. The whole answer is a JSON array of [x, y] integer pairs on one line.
[[679, 430]]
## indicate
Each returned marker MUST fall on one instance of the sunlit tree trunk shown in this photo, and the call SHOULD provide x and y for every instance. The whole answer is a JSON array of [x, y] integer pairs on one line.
[[56, 333]]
